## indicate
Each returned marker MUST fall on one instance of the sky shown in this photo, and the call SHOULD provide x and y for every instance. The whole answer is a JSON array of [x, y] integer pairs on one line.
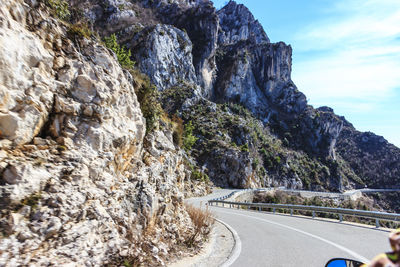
[[346, 55]]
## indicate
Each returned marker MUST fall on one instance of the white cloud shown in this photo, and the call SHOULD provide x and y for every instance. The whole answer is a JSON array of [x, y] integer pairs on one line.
[[360, 58], [350, 75]]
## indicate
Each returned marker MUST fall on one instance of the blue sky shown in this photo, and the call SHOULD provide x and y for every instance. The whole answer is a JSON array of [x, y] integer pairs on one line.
[[346, 55]]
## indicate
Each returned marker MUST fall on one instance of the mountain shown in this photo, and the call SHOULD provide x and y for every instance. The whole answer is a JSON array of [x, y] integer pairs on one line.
[[228, 59], [113, 111]]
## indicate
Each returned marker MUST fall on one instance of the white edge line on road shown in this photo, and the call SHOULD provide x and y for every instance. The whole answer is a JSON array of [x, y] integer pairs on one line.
[[352, 253], [237, 248]]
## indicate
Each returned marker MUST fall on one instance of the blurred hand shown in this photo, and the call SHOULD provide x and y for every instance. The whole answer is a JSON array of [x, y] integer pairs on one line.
[[394, 239]]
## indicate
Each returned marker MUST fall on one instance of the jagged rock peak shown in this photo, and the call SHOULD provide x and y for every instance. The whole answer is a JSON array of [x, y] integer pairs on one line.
[[237, 23]]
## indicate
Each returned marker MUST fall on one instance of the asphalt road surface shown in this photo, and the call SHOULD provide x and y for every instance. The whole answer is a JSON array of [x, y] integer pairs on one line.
[[268, 239]]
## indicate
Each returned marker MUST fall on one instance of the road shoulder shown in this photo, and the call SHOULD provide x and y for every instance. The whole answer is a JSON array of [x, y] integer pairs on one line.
[[216, 251]]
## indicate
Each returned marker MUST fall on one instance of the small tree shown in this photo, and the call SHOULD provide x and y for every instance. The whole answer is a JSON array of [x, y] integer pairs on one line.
[[123, 54], [189, 139]]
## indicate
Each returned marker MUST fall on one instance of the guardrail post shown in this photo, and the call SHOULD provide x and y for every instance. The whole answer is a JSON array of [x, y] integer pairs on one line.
[[291, 212], [273, 210], [340, 217], [377, 223], [313, 214]]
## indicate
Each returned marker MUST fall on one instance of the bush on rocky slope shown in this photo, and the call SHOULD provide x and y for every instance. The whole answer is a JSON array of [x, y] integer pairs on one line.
[[60, 7], [236, 149], [123, 54]]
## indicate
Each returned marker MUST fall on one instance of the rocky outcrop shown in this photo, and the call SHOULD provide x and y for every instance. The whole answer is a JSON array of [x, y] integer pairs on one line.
[[164, 53], [80, 182], [198, 19], [26, 97], [258, 76], [238, 24], [107, 16], [201, 23]]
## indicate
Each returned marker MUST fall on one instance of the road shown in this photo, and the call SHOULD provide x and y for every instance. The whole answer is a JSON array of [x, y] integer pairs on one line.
[[281, 240], [372, 190]]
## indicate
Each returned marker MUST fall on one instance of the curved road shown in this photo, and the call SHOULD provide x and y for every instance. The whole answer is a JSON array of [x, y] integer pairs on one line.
[[282, 240]]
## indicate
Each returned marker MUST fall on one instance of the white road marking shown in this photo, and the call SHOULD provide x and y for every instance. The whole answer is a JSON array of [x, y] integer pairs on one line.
[[238, 246], [352, 253]]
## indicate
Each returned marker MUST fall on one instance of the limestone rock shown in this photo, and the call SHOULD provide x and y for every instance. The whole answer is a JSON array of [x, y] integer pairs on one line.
[[74, 179], [25, 88], [165, 55], [200, 20], [238, 24], [22, 180]]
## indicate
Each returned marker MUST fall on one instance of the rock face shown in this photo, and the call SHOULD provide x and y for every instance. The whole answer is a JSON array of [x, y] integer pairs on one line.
[[231, 59], [81, 184], [257, 74], [238, 24], [200, 20], [165, 54], [25, 89]]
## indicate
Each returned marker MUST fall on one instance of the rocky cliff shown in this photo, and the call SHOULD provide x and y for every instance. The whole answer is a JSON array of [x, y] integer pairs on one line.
[[82, 182], [96, 158]]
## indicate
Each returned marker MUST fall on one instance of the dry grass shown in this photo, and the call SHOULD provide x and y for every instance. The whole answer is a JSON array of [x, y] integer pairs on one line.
[[202, 220], [178, 129]]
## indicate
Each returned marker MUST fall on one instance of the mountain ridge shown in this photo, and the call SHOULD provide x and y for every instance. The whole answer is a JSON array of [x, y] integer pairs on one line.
[[234, 62]]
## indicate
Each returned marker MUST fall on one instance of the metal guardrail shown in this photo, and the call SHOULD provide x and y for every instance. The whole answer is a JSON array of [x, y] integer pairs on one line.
[[259, 206], [237, 191]]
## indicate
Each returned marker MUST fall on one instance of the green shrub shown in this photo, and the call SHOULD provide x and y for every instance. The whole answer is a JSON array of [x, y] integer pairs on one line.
[[60, 8], [188, 138], [255, 163], [79, 29], [123, 54], [199, 176], [148, 97], [244, 148]]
